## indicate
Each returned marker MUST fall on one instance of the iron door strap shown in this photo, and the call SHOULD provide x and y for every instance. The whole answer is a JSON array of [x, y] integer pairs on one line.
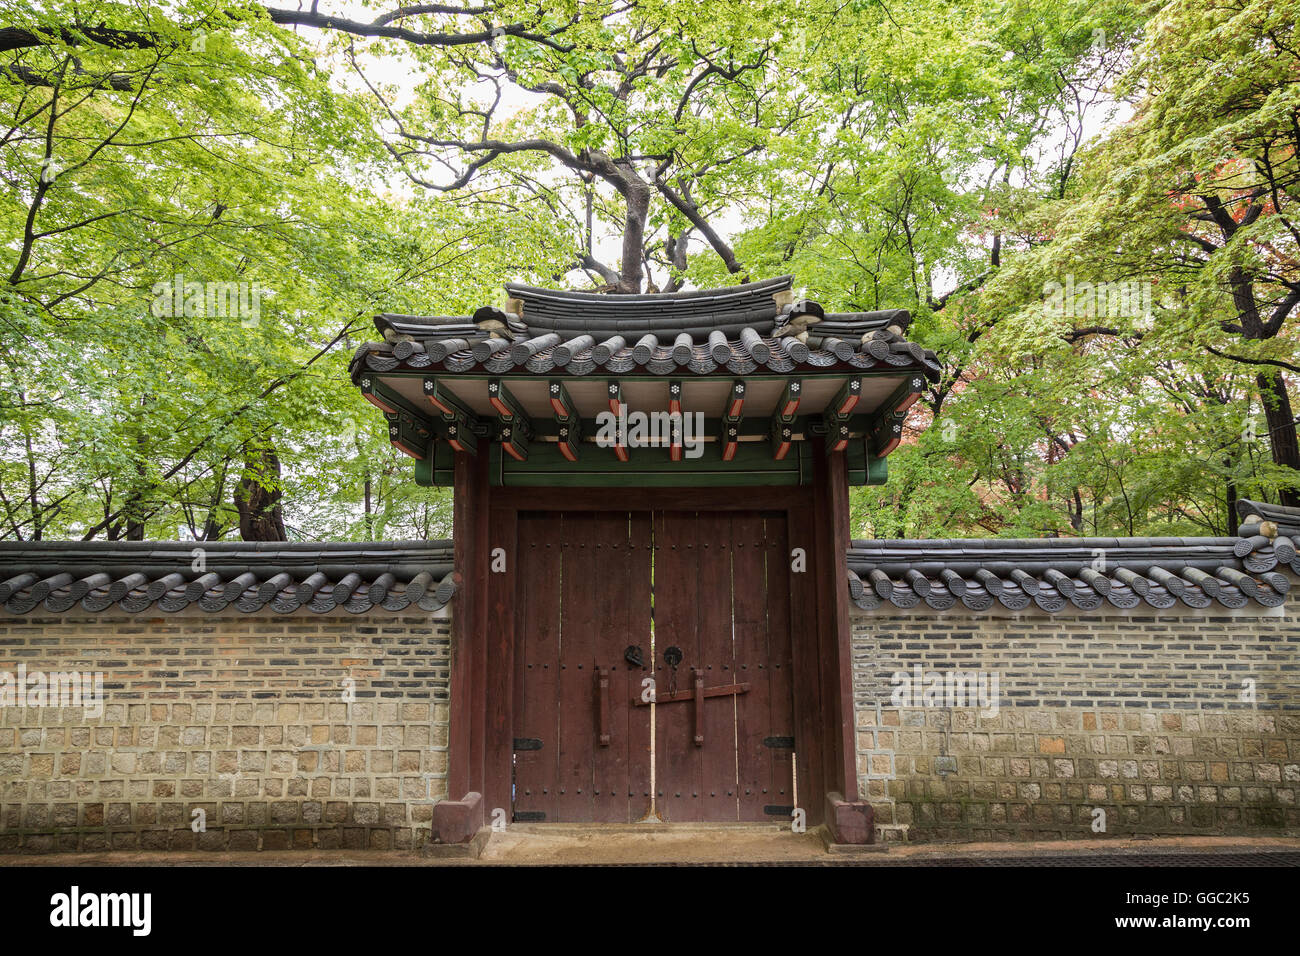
[[697, 677], [602, 705], [528, 743], [779, 743]]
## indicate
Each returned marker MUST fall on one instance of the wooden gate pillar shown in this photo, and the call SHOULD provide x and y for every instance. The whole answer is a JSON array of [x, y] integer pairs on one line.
[[458, 818], [848, 819]]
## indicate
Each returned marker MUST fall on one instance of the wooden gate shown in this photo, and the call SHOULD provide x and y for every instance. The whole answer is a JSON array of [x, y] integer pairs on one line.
[[581, 748], [724, 727], [716, 660]]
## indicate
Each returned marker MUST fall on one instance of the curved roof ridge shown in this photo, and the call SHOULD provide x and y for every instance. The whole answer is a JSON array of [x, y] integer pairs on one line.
[[756, 289]]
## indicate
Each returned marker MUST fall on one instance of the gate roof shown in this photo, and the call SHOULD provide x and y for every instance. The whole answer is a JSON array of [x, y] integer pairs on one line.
[[530, 381]]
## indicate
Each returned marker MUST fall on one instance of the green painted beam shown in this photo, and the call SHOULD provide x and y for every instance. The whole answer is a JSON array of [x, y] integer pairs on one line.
[[386, 399], [838, 431], [561, 403], [437, 469], [648, 468], [504, 403], [791, 395], [886, 434], [409, 436], [460, 426], [847, 398], [782, 437], [514, 428], [442, 399], [750, 429], [568, 437]]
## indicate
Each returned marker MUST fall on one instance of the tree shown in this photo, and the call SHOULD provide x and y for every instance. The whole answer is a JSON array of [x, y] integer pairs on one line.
[[640, 123], [195, 249], [1198, 195]]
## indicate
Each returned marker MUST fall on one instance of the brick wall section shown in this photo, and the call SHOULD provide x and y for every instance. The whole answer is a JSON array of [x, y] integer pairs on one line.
[[240, 715], [1137, 714]]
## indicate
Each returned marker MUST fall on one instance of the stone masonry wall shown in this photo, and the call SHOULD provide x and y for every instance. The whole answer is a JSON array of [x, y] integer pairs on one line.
[[1140, 715], [242, 716]]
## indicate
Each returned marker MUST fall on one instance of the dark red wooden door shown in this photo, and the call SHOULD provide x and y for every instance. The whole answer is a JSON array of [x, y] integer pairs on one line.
[[582, 749], [724, 725]]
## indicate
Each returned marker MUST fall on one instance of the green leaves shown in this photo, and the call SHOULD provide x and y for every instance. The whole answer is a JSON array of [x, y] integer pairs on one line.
[[229, 170], [965, 161]]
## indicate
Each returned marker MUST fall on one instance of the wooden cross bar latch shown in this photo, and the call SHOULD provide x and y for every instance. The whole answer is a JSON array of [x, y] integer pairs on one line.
[[697, 693]]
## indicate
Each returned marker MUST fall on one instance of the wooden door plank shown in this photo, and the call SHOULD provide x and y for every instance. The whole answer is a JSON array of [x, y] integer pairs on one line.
[[540, 568], [755, 786], [780, 659], [502, 673], [637, 631], [716, 657], [613, 564], [577, 658], [677, 589], [806, 670]]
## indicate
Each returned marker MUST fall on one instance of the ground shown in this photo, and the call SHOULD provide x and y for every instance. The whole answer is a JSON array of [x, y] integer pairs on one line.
[[533, 844]]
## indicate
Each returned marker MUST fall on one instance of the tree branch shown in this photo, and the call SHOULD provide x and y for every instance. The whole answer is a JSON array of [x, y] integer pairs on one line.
[[1276, 363], [692, 212]]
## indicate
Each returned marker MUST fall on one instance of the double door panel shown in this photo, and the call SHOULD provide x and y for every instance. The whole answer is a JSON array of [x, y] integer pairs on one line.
[[691, 608], [581, 747]]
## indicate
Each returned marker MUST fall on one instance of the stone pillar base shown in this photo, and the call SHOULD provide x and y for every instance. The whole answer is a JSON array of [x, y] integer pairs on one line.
[[456, 821], [849, 822]]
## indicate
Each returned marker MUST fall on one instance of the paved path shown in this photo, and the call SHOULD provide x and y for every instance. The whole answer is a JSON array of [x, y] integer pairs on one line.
[[533, 845]]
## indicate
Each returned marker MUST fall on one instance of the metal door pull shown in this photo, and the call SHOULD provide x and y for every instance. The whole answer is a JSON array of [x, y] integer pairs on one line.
[[602, 698]]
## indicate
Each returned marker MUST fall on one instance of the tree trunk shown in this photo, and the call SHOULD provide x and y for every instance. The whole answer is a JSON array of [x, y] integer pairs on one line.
[[213, 528], [257, 496], [636, 195], [134, 512], [370, 519], [1232, 500], [1281, 431]]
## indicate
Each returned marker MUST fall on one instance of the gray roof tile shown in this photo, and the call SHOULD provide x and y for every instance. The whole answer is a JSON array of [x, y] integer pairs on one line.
[[246, 576], [1087, 573]]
